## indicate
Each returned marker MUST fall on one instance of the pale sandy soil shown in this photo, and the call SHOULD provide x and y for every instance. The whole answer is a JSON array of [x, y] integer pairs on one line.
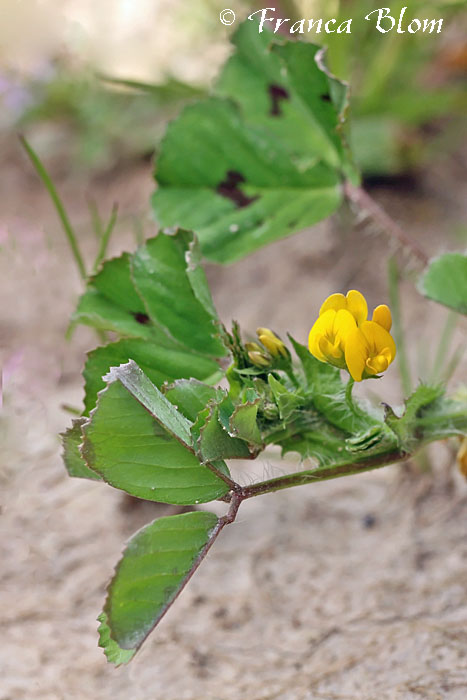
[[349, 589]]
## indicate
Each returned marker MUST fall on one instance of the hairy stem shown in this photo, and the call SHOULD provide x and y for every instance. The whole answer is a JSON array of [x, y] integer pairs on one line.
[[361, 198], [322, 474]]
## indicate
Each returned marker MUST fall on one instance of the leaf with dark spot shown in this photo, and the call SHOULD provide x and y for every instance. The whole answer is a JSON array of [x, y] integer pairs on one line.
[[142, 318], [277, 93], [261, 158], [229, 188]]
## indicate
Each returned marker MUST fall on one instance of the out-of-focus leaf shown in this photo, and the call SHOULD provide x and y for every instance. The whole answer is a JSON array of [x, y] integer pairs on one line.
[[264, 157], [445, 281], [156, 565]]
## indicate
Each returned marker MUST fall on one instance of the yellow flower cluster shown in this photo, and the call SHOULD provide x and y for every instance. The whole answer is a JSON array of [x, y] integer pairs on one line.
[[272, 348], [344, 337]]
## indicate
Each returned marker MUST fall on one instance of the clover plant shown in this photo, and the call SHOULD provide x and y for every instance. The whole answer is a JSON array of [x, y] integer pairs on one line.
[[178, 392]]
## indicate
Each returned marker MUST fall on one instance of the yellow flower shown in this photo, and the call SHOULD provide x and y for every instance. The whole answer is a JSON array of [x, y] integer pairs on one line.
[[343, 337], [272, 342], [369, 350], [328, 336], [354, 302]]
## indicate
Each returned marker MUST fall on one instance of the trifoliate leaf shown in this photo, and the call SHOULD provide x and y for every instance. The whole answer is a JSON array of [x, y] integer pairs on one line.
[[264, 157]]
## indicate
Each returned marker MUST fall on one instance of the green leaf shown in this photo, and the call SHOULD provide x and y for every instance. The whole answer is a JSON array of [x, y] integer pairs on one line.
[[326, 446], [168, 277], [131, 450], [243, 424], [114, 653], [324, 386], [264, 157], [445, 281], [74, 462], [212, 441], [287, 402], [428, 416], [97, 311], [190, 396], [159, 301], [161, 362], [156, 565], [149, 396]]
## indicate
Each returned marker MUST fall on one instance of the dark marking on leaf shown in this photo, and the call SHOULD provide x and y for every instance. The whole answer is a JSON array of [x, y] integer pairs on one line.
[[143, 319], [325, 97], [230, 188], [277, 93]]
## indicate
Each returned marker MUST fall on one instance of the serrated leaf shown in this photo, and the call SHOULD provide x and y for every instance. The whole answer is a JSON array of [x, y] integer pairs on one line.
[[156, 565], [262, 159], [115, 655], [212, 441], [243, 424], [445, 281], [166, 318], [74, 462], [131, 451], [190, 396], [325, 446], [287, 402], [168, 277], [149, 396], [404, 425], [324, 386], [161, 362]]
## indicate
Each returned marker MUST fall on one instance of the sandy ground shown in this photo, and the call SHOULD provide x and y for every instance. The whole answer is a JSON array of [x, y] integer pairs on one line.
[[350, 589]]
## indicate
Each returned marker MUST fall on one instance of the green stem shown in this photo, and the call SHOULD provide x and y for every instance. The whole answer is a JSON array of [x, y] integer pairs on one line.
[[67, 227], [348, 392], [95, 219], [105, 237], [443, 346], [322, 474], [394, 297]]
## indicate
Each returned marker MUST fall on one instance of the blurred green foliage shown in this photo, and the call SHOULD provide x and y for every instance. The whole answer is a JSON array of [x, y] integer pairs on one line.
[[102, 121], [402, 84], [408, 92]]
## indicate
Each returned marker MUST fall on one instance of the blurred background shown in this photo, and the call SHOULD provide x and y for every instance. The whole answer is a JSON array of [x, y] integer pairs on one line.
[[352, 589]]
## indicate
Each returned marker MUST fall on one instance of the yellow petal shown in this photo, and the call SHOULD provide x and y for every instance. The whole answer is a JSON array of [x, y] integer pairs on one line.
[[323, 326], [334, 302], [356, 353], [378, 339], [343, 324], [382, 316], [356, 304]]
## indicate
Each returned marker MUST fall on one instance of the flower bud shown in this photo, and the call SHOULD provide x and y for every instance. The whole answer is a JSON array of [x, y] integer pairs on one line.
[[259, 359], [272, 342]]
